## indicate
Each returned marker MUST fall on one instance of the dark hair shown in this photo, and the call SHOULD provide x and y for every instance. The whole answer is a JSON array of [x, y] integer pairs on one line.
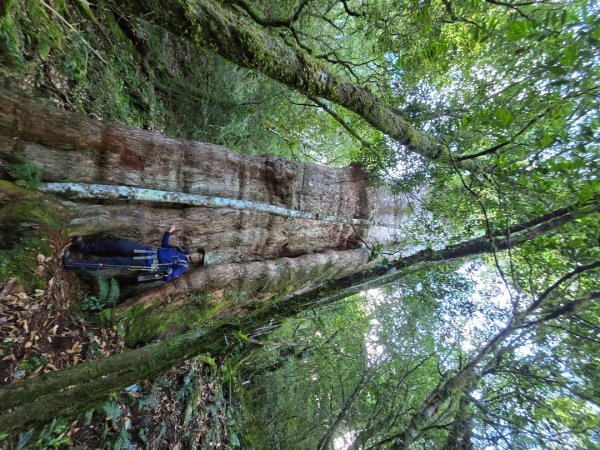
[[202, 252]]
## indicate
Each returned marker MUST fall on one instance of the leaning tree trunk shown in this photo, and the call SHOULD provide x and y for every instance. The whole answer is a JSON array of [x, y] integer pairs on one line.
[[228, 32], [70, 391], [253, 208]]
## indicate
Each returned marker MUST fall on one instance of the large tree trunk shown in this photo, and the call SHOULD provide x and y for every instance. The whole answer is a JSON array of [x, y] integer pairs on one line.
[[71, 148], [259, 281], [255, 209]]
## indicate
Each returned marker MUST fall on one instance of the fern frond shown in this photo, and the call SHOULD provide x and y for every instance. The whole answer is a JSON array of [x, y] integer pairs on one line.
[[122, 441], [113, 410], [114, 292], [102, 289], [27, 171]]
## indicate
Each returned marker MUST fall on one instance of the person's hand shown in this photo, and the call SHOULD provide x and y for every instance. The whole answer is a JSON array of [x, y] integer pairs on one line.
[[172, 228]]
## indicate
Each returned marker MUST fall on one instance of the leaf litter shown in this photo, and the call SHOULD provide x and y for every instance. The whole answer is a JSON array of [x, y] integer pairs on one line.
[[40, 333]]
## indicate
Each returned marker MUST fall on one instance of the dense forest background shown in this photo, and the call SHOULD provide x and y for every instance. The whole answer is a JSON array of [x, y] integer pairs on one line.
[[484, 114]]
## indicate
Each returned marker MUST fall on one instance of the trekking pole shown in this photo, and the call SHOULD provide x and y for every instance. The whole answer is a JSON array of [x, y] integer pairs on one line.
[[90, 265]]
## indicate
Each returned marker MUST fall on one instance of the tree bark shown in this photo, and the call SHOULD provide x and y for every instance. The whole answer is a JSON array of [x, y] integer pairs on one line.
[[459, 436], [259, 281], [209, 24], [71, 148]]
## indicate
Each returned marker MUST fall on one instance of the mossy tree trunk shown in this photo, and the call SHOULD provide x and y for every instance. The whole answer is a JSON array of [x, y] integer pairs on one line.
[[234, 36]]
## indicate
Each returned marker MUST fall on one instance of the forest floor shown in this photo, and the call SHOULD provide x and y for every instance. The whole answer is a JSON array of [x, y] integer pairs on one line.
[[43, 329]]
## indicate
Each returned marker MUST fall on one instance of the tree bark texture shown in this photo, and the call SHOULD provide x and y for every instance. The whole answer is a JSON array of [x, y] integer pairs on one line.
[[227, 32], [259, 281], [71, 148]]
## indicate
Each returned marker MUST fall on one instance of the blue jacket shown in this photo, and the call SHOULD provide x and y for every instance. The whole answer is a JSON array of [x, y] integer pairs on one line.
[[172, 259]]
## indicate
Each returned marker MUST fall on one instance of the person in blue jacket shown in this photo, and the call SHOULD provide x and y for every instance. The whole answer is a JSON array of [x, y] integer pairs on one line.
[[166, 261]]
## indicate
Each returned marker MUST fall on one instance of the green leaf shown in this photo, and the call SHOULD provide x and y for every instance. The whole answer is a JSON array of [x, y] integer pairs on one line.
[[102, 289], [151, 401], [26, 171], [517, 30], [106, 315], [24, 439], [122, 441], [545, 141], [563, 17], [558, 71], [114, 292], [234, 441], [569, 56], [550, 19], [142, 435], [208, 360], [188, 414], [112, 410], [503, 117]]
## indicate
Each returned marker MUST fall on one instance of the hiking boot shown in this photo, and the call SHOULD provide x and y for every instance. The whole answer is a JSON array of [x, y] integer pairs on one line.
[[67, 258], [76, 243]]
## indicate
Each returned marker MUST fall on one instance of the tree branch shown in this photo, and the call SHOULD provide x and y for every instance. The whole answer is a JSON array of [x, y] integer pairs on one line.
[[286, 23], [467, 375], [349, 11]]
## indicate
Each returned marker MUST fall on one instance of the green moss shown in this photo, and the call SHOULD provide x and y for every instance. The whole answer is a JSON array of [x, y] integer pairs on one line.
[[23, 205], [10, 40], [144, 328], [24, 219], [31, 212], [26, 206], [154, 323], [190, 311], [29, 31], [19, 247], [12, 189], [47, 34], [207, 314]]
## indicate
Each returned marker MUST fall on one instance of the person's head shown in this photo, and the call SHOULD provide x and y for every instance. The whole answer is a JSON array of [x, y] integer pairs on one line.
[[197, 257]]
